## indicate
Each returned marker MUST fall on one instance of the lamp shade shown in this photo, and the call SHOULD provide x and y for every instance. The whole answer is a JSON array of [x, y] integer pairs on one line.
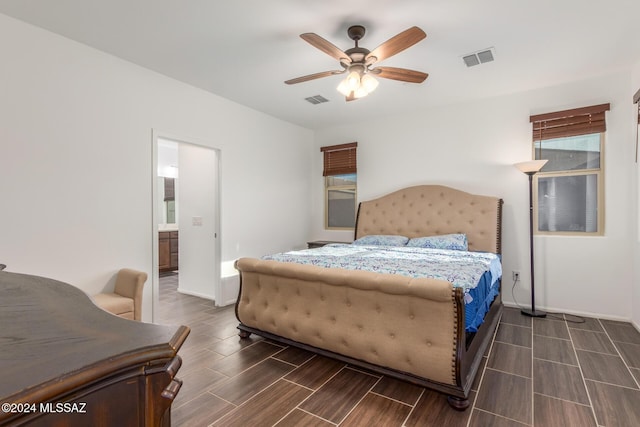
[[343, 88], [531, 167], [361, 92], [369, 83], [353, 80]]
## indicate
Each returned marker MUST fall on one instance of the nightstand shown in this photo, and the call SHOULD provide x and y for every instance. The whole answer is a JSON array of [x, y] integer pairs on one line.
[[320, 243]]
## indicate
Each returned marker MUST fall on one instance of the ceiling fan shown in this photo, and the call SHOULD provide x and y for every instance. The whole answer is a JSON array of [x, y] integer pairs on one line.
[[358, 62]]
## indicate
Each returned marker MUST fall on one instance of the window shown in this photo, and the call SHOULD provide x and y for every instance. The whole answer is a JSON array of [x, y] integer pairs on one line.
[[169, 200], [340, 180], [570, 185]]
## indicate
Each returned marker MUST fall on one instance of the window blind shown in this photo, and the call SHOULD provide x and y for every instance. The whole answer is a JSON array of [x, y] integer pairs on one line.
[[636, 100], [169, 189], [339, 159], [578, 121]]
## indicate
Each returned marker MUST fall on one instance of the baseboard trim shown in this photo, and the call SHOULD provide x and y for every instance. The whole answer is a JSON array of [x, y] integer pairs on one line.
[[196, 294], [551, 310]]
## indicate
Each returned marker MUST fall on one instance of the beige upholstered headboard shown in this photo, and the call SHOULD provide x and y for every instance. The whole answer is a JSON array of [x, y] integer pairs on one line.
[[430, 210]]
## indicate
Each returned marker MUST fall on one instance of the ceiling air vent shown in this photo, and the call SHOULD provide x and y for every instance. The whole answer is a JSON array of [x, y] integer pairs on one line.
[[479, 57], [317, 99]]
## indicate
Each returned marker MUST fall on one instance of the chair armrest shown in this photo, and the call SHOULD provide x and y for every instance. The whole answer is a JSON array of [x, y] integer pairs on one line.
[[130, 283]]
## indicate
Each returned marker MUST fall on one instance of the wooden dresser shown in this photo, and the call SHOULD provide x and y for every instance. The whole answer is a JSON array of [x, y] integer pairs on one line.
[[168, 250], [66, 362]]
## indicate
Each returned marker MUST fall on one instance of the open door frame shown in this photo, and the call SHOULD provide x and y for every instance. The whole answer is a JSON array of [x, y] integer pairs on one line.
[[155, 277]]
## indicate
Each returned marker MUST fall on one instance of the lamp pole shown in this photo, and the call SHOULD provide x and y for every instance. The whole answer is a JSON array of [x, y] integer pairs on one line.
[[532, 312]]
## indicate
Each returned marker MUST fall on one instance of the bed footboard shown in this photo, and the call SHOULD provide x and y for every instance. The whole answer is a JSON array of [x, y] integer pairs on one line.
[[411, 326]]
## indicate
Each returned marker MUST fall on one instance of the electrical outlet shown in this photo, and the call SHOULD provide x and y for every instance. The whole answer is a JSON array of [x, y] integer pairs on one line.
[[515, 275]]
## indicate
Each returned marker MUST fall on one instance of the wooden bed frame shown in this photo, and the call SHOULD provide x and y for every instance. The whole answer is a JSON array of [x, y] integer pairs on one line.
[[407, 328]]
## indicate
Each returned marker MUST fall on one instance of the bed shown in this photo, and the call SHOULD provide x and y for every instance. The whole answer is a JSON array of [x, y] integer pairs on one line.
[[409, 327]]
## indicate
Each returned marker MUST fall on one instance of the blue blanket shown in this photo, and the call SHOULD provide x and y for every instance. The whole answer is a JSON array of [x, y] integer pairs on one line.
[[477, 273]]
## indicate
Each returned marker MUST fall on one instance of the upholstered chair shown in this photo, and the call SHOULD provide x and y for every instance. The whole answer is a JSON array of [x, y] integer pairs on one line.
[[126, 299]]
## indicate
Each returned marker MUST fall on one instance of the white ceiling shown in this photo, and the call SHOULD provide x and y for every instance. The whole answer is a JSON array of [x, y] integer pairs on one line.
[[244, 50]]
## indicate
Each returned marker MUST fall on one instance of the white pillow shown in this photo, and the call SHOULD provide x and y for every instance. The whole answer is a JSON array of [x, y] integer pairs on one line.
[[382, 240], [456, 242]]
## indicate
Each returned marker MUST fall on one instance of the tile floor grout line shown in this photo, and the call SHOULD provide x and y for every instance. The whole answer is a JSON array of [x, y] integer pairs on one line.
[[584, 382], [553, 338], [507, 373], [359, 401], [633, 377], [612, 384], [314, 415], [235, 406], [283, 361], [390, 398], [624, 342], [363, 371], [555, 361], [301, 385], [490, 350], [422, 392], [564, 400], [503, 417], [510, 343], [600, 352], [318, 388], [255, 395]]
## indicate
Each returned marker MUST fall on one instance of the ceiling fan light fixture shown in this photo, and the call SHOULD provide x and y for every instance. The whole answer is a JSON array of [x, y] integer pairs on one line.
[[343, 88], [361, 92], [353, 80], [369, 83], [350, 84], [357, 85], [357, 61]]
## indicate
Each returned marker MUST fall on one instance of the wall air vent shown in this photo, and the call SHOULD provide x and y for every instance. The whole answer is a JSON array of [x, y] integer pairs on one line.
[[317, 99], [480, 57]]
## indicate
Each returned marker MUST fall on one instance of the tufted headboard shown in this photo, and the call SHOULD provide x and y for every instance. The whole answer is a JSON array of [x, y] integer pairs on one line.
[[430, 210]]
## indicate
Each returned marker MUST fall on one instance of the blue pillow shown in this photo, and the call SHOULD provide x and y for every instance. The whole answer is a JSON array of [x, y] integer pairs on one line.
[[382, 240], [456, 242]]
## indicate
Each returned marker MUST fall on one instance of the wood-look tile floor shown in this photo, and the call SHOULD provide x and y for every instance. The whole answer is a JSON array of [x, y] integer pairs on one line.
[[537, 372]]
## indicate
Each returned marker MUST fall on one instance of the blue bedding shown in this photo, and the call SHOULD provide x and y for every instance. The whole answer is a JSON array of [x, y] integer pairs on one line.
[[477, 273], [478, 305]]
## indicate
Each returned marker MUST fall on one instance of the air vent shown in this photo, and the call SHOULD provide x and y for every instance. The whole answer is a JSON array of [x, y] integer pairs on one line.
[[480, 57], [471, 60], [317, 99]]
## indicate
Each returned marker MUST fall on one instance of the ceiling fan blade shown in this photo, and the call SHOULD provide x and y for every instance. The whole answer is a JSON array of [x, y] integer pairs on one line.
[[397, 44], [326, 46], [402, 74], [314, 76]]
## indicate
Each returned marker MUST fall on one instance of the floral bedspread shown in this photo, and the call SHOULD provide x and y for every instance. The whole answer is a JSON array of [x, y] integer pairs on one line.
[[463, 269]]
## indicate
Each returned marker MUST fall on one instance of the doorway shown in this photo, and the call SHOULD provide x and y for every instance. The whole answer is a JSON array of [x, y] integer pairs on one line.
[[186, 217]]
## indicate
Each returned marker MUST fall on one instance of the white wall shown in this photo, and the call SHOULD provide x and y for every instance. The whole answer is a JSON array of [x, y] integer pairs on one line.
[[473, 147], [76, 162]]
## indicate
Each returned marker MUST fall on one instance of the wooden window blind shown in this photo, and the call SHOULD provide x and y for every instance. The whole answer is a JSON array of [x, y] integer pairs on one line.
[[169, 189], [339, 159], [578, 121], [636, 100]]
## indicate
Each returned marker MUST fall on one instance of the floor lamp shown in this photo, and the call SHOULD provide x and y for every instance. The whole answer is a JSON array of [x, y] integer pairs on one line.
[[531, 168]]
